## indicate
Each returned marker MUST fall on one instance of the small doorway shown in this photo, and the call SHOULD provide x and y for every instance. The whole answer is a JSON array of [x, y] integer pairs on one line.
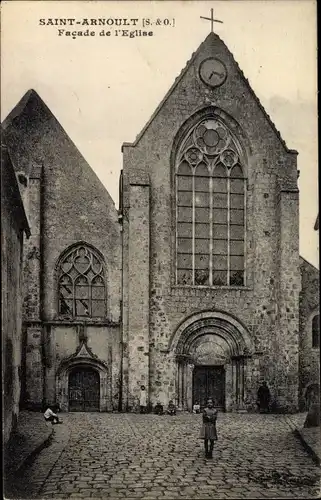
[[209, 382], [84, 389]]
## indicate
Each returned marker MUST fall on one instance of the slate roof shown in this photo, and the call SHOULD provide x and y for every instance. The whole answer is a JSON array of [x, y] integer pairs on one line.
[[29, 130]]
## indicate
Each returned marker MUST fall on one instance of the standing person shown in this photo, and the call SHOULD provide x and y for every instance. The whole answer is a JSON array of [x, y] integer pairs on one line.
[[143, 399], [208, 431], [263, 397]]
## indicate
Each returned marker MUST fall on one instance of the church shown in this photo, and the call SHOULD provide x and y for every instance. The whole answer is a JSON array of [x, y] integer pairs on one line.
[[193, 287]]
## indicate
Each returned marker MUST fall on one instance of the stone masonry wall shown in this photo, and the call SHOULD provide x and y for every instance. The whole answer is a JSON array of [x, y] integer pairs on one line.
[[11, 294], [32, 249], [75, 205], [67, 205], [138, 290], [33, 355], [309, 307], [287, 331], [11, 279], [255, 305], [62, 342]]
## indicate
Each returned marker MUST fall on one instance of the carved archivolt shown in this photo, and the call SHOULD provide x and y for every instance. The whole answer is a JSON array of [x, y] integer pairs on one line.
[[235, 337]]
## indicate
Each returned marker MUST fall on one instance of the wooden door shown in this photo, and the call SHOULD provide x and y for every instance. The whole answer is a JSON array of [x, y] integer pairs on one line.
[[84, 390], [209, 382]]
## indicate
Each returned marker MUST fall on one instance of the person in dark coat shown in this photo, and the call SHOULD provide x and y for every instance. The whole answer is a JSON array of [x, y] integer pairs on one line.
[[208, 430], [263, 397], [171, 409], [159, 410]]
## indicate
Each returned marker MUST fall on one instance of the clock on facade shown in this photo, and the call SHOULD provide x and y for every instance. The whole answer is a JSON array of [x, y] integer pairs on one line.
[[212, 72]]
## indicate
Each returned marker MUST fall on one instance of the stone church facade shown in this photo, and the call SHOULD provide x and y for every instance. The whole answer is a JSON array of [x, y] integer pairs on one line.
[[72, 276], [193, 287], [211, 246]]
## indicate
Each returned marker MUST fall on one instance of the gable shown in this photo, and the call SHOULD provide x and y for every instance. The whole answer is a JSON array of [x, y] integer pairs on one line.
[[36, 139], [307, 267], [235, 95]]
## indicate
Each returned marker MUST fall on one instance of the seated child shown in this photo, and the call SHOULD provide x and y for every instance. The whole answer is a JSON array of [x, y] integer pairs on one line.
[[52, 417], [158, 409], [171, 409], [196, 407]]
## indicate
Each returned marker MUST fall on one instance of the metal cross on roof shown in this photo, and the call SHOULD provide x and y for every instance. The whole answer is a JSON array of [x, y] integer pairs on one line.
[[212, 20]]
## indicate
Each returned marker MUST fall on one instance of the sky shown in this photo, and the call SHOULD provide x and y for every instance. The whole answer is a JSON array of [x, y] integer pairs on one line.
[[103, 89]]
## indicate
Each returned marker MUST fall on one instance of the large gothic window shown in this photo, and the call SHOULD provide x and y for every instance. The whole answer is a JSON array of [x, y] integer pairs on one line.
[[81, 284], [210, 208]]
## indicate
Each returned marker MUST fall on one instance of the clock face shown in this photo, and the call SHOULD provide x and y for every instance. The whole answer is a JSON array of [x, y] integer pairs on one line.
[[212, 72]]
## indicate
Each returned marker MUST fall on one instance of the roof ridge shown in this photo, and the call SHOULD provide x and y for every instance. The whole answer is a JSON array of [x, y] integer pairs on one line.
[[19, 109], [278, 133], [162, 102], [257, 99], [309, 263]]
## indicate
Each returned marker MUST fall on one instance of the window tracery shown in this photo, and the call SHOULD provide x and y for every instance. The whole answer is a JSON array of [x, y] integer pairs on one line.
[[81, 284], [210, 208]]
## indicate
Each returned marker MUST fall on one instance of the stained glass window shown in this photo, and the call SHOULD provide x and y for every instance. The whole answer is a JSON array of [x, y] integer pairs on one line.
[[81, 284], [210, 208]]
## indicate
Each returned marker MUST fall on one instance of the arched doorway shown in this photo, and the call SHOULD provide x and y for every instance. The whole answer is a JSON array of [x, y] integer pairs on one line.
[[212, 351], [84, 389], [89, 376], [210, 355], [209, 382]]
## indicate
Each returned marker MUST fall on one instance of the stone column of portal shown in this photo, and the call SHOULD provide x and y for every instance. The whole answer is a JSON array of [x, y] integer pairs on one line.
[[179, 385], [189, 386], [183, 379], [242, 364], [235, 383], [228, 386], [138, 286]]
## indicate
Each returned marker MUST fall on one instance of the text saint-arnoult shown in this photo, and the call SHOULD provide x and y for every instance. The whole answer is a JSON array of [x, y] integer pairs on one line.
[[110, 21]]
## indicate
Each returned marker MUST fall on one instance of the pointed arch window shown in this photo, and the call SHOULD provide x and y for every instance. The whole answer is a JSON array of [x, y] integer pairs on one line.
[[210, 208], [81, 284]]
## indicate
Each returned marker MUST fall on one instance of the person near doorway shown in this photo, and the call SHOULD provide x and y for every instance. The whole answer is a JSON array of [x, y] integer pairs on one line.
[[158, 410], [51, 416], [208, 430], [263, 397], [143, 399], [171, 409]]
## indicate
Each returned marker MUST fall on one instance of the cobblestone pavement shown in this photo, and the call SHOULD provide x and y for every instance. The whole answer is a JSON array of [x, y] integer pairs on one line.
[[150, 457], [26, 439]]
